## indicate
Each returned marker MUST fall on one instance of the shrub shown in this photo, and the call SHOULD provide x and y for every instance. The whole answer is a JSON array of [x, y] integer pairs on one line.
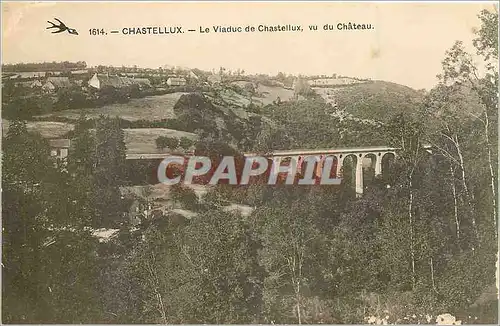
[[185, 143], [167, 142], [172, 142]]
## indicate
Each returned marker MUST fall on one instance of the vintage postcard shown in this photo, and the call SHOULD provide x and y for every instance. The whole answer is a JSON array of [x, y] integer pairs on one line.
[[249, 163]]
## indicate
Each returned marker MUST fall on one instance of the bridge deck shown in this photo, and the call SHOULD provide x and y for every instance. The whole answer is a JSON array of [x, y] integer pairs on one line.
[[153, 156], [294, 152], [328, 151]]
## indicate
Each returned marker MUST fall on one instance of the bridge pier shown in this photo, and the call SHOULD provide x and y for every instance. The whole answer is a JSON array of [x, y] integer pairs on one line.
[[378, 164], [319, 166], [359, 176], [339, 165]]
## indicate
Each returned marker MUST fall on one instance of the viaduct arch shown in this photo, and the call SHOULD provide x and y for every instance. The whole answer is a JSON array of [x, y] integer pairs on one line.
[[376, 154]]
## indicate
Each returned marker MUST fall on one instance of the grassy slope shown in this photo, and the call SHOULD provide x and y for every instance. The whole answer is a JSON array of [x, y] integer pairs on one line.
[[139, 140], [264, 95], [377, 100], [150, 108], [48, 129], [225, 110], [142, 140], [271, 93]]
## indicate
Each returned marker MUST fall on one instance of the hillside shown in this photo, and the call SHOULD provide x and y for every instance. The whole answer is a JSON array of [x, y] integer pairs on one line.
[[151, 108], [377, 100], [48, 129], [244, 113], [142, 140]]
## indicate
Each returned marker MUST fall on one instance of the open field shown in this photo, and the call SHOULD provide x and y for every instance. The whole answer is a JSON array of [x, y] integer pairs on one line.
[[48, 129], [142, 140], [271, 93], [376, 100], [160, 191], [267, 95], [241, 83], [153, 108], [338, 81]]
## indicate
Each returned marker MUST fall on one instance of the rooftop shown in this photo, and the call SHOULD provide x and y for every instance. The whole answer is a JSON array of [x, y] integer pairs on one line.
[[60, 143]]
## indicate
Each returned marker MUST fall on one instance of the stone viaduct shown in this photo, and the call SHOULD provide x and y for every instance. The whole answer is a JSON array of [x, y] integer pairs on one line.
[[359, 156]]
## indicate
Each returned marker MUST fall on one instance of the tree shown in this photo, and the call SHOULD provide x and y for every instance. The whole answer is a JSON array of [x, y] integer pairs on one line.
[[281, 76], [251, 91], [302, 87], [205, 272], [449, 107], [81, 165], [49, 266], [185, 196], [223, 251], [172, 143], [186, 143], [459, 68], [462, 115], [110, 168], [160, 142], [486, 42], [289, 253]]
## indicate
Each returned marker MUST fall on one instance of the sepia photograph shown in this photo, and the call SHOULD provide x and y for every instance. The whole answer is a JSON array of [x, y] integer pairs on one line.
[[183, 162]]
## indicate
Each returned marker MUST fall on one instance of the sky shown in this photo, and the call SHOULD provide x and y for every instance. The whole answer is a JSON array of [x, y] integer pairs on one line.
[[406, 46]]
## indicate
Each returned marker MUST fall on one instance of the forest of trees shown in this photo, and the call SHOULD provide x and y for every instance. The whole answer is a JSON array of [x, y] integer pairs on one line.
[[421, 242], [44, 66]]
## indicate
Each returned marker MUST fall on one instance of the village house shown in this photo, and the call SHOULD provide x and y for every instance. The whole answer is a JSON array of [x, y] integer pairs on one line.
[[34, 74], [79, 73], [59, 148], [54, 73], [98, 81], [23, 75], [29, 83], [31, 74], [142, 82], [176, 81], [56, 83]]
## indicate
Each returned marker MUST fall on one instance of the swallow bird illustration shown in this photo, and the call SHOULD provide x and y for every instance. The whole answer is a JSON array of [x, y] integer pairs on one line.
[[62, 27]]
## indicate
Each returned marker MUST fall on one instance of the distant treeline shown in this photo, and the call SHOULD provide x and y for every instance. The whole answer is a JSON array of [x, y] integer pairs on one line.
[[44, 66], [343, 85], [22, 103]]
